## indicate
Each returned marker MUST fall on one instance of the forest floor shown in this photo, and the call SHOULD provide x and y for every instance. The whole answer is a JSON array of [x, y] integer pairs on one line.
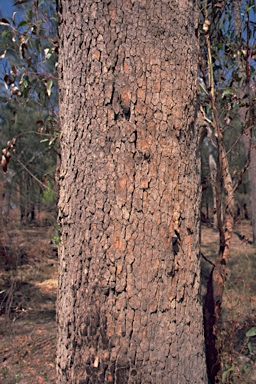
[[238, 357], [28, 287]]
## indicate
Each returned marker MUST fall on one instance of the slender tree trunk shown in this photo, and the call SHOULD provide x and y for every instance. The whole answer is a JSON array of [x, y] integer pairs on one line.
[[213, 171], [129, 308], [22, 192], [252, 181], [7, 200]]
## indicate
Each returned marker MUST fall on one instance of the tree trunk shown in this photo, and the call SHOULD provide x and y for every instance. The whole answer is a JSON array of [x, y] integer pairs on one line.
[[252, 181], [129, 308], [7, 199], [213, 171], [246, 116]]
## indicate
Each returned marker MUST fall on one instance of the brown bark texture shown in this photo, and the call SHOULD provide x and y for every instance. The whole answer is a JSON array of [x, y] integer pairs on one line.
[[129, 308]]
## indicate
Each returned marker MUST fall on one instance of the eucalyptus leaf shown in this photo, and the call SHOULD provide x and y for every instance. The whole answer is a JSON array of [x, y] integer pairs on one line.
[[23, 23], [49, 87], [4, 21], [251, 332], [228, 91], [21, 2]]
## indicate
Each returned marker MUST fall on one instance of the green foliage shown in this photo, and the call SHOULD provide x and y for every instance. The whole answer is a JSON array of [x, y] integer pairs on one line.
[[56, 235], [227, 374], [232, 48], [29, 101], [30, 46], [229, 31], [49, 196], [249, 334]]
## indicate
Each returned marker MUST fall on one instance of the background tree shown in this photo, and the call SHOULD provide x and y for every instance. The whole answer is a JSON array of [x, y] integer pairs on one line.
[[224, 84], [129, 308], [29, 104], [246, 54]]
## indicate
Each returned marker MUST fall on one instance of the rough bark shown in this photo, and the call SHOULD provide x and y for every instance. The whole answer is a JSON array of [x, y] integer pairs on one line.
[[129, 308]]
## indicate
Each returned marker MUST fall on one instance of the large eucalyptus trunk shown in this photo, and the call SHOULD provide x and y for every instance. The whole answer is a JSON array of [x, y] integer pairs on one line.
[[129, 308]]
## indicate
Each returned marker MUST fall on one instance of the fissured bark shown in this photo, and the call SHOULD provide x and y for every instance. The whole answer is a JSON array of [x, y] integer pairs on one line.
[[129, 308]]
